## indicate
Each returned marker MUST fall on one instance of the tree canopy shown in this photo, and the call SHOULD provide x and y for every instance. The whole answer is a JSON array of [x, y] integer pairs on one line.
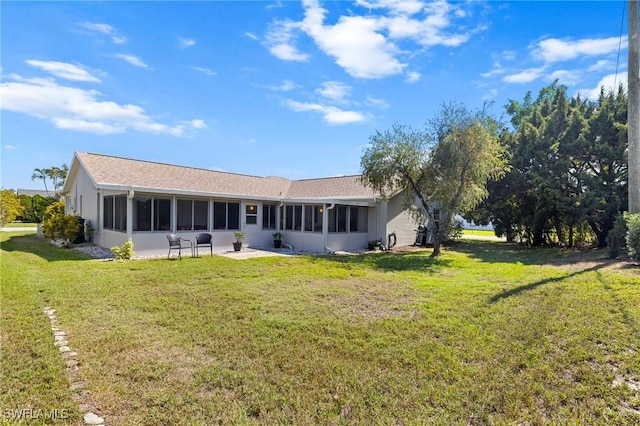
[[57, 175], [444, 165], [568, 172]]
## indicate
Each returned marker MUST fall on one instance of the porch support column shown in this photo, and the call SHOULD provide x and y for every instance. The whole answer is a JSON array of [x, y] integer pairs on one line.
[[130, 196]]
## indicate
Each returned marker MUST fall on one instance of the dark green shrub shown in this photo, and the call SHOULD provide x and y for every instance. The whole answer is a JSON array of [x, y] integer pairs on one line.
[[633, 235], [34, 207]]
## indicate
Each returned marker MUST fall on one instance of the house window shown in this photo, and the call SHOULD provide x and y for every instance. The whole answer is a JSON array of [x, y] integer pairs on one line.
[[192, 215], [115, 212], [251, 214], [200, 215], [332, 220], [288, 217], [142, 213], [226, 215], [340, 216], [151, 214], [297, 218], [162, 214], [108, 213], [358, 219], [269, 216], [293, 217], [313, 218], [308, 218], [185, 215]]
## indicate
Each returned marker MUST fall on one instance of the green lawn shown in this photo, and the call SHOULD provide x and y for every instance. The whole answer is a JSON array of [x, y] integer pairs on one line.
[[20, 225], [483, 232], [490, 333]]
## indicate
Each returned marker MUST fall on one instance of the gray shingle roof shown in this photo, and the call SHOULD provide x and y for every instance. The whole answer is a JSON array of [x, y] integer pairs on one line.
[[110, 172]]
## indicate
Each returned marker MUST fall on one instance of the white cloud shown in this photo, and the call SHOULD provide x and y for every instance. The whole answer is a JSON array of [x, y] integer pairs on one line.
[[566, 77], [78, 109], [132, 59], [334, 91], [602, 65], [105, 29], [497, 70], [376, 102], [366, 46], [491, 94], [354, 42], [186, 42], [525, 76], [11, 147], [331, 114], [556, 50], [413, 77], [286, 86], [198, 124], [410, 7], [281, 42], [251, 35], [509, 55], [610, 82], [63, 70], [206, 71]]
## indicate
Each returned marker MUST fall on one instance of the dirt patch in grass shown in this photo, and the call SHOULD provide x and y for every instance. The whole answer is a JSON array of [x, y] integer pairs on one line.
[[374, 300]]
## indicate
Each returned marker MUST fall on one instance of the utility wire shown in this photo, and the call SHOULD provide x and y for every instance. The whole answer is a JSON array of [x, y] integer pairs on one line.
[[615, 78]]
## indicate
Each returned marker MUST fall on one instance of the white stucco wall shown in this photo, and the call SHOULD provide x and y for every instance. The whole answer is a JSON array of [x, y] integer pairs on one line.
[[400, 221], [82, 200]]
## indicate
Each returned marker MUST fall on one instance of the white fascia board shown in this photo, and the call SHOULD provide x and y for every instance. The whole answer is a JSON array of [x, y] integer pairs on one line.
[[352, 201], [186, 193]]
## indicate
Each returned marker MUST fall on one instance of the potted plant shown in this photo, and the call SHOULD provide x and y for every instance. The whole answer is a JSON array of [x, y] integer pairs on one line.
[[277, 239], [237, 244], [375, 245]]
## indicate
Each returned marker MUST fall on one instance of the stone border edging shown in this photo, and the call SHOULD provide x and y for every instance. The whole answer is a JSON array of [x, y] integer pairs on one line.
[[71, 360]]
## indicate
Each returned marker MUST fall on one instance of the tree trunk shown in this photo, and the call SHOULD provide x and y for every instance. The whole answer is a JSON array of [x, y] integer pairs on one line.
[[601, 234], [436, 248], [570, 236]]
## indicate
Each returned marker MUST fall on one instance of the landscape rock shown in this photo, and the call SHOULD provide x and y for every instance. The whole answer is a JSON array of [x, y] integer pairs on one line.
[[93, 419]]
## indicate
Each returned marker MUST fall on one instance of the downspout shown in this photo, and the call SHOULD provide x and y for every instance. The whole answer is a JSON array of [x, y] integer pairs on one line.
[[325, 227], [131, 194]]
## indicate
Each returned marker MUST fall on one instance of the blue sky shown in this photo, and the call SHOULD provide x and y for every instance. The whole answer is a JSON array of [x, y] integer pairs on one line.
[[283, 88]]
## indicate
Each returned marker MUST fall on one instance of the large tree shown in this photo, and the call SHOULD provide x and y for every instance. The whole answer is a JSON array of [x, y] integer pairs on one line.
[[444, 165], [56, 174], [569, 169], [41, 174]]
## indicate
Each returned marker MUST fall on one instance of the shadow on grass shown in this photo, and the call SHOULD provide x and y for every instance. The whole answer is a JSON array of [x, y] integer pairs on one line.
[[39, 246], [531, 286], [390, 261], [502, 252]]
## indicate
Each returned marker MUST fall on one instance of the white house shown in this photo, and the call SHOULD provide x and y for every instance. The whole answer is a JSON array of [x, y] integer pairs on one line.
[[140, 201]]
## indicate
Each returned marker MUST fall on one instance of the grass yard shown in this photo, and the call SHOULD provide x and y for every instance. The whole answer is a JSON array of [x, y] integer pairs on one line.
[[479, 232], [21, 225], [490, 333]]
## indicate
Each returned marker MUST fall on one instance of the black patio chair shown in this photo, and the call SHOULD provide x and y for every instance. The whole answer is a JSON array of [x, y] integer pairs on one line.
[[204, 240], [176, 243]]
